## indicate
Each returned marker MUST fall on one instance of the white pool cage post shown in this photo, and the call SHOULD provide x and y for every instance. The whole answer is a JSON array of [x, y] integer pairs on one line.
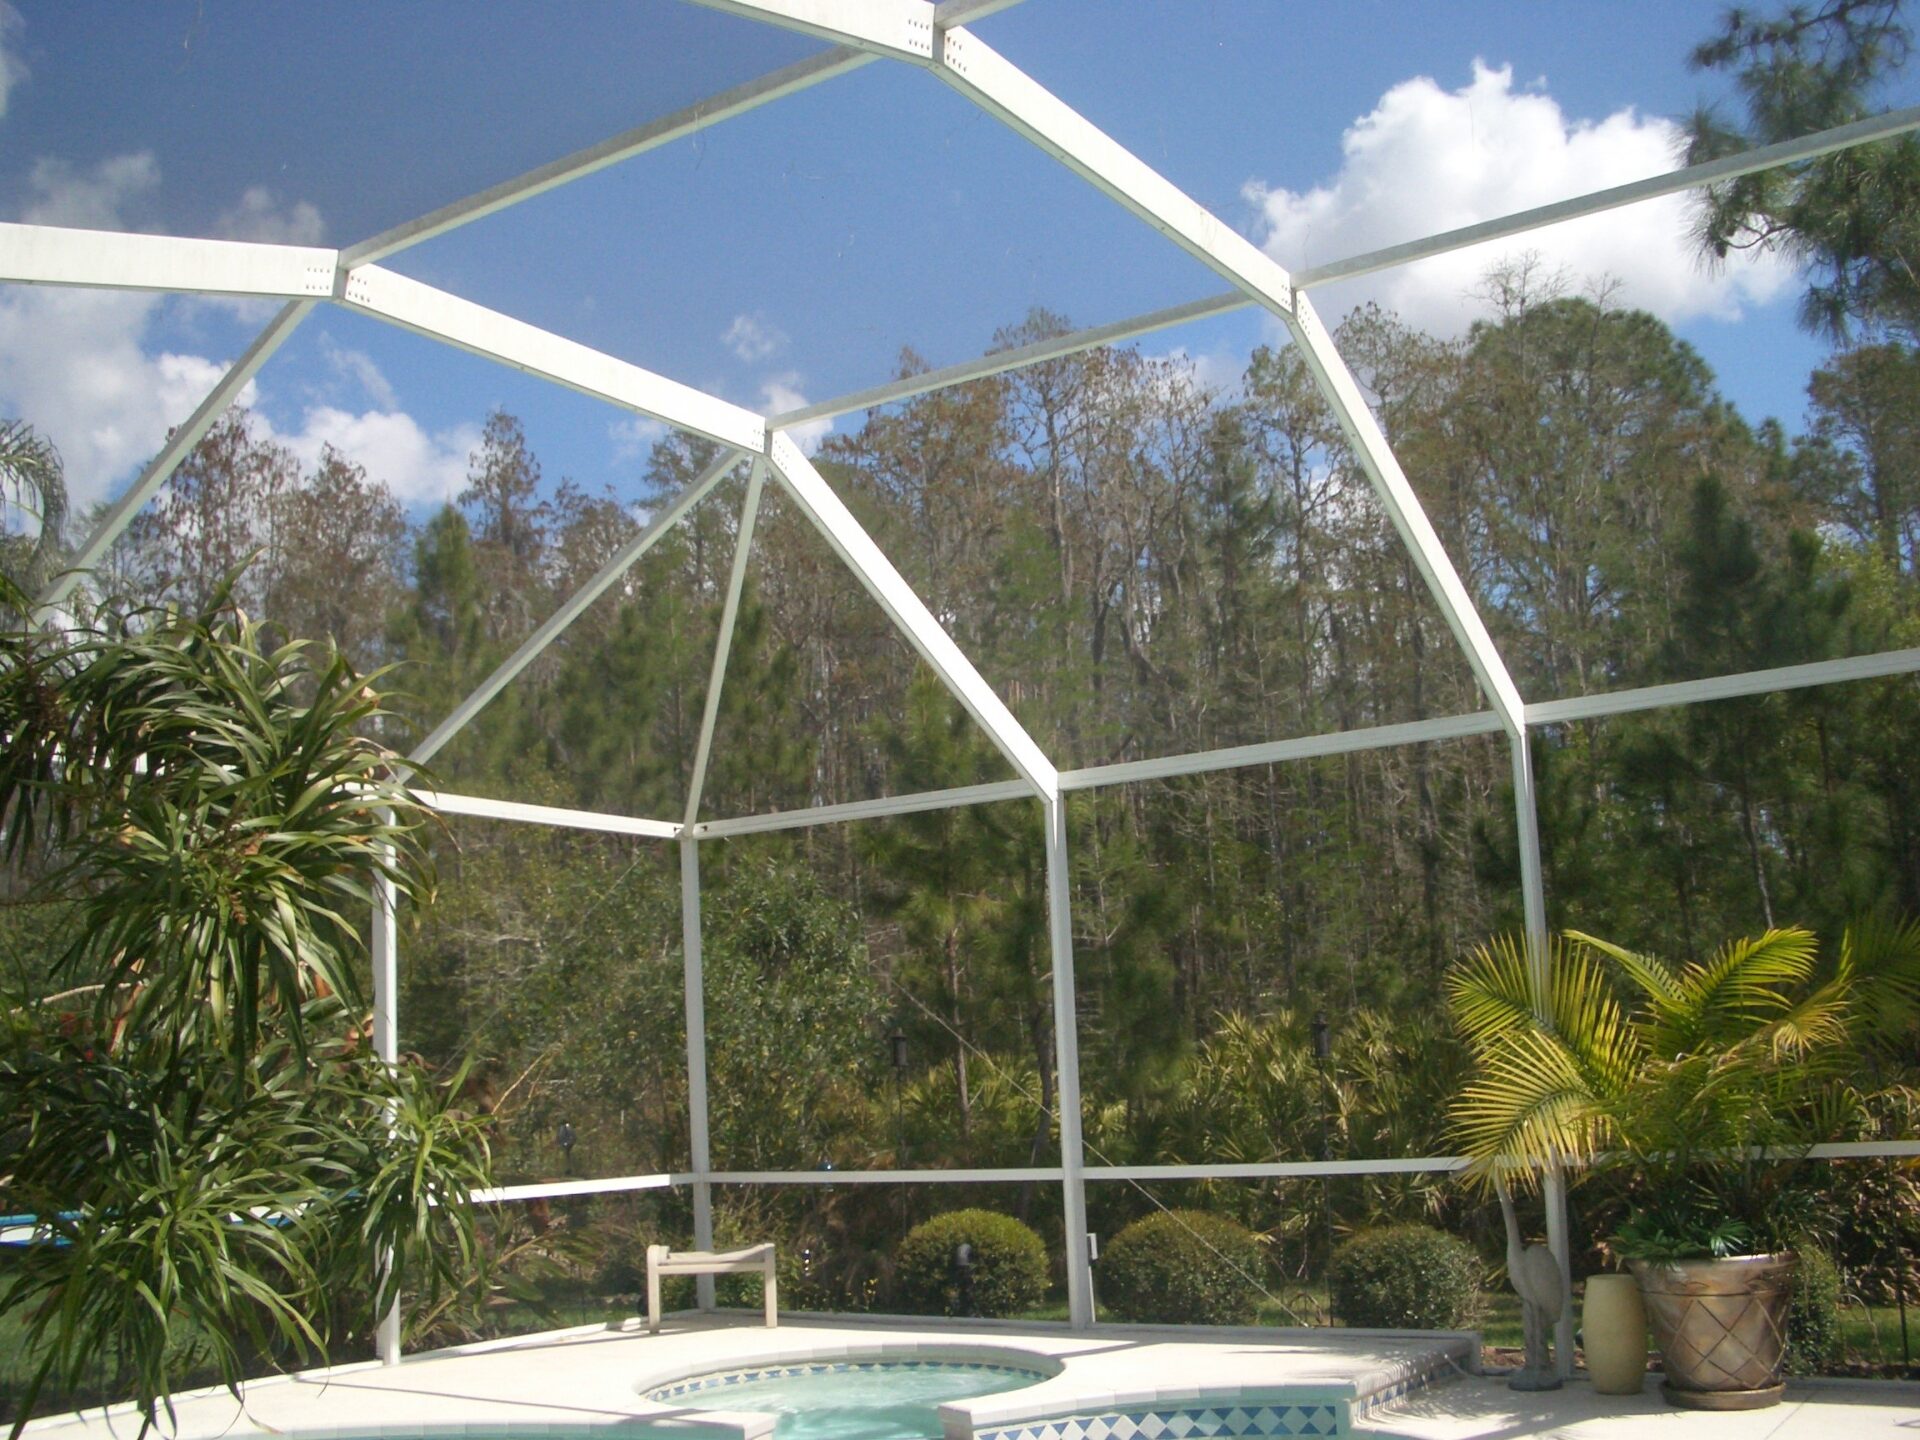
[[697, 1135], [386, 1045], [1533, 893], [1066, 1046]]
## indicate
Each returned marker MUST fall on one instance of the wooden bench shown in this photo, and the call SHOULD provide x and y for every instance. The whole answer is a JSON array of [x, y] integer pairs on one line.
[[662, 1261]]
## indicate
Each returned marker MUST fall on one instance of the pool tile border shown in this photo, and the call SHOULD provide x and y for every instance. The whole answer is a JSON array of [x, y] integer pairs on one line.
[[721, 1379], [1253, 1420]]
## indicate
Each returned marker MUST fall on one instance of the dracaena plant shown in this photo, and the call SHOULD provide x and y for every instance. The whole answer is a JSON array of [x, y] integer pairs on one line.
[[1707, 1081], [188, 1102]]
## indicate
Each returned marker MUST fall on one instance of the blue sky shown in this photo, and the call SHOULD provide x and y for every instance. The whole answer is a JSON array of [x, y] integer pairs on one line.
[[792, 253]]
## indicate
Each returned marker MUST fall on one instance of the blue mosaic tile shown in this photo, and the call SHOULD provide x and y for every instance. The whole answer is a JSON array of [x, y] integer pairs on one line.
[[1268, 1421]]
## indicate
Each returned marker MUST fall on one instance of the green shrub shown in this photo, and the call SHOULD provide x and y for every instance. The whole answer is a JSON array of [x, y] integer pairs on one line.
[[1405, 1277], [1182, 1267], [1009, 1265], [1813, 1322]]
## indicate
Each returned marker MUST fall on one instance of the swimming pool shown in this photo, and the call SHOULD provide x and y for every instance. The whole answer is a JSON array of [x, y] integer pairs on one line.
[[878, 1398]]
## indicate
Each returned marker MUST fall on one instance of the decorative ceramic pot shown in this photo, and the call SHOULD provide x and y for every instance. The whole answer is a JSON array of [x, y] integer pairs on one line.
[[1721, 1326], [1613, 1333]]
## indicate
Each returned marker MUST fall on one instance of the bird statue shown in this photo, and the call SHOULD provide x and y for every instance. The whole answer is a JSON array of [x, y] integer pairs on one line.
[[1535, 1275]]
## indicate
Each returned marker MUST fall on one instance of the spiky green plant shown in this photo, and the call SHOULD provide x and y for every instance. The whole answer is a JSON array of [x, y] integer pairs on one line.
[[188, 1101], [1709, 1080]]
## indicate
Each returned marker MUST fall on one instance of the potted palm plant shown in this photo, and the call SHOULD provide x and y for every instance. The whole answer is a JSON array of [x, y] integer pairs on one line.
[[1710, 1082]]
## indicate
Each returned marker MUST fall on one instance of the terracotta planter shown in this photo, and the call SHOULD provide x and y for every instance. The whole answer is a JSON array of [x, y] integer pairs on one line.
[[1613, 1332], [1721, 1326]]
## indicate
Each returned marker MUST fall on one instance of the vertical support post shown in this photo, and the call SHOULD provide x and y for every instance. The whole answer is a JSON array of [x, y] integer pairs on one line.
[[1533, 894], [386, 1045], [702, 1157], [1066, 1046]]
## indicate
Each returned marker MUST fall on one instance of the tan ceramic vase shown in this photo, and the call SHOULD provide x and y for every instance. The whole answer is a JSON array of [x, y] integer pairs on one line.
[[1721, 1326], [1613, 1333]]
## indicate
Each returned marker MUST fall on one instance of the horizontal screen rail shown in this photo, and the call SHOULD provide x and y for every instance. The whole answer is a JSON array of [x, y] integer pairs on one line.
[[556, 1189], [885, 1177]]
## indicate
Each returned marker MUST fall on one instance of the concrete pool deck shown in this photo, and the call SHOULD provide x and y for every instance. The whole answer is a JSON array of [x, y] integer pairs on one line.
[[1114, 1383]]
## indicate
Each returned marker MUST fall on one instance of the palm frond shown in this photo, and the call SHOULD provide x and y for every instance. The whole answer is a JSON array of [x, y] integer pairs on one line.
[[1745, 983], [1493, 993], [1882, 959]]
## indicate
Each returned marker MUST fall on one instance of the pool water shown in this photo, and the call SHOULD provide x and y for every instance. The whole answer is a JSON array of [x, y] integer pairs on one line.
[[856, 1400]]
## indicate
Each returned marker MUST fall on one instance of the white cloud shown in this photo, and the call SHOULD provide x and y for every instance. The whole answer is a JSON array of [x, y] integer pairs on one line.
[[94, 199], [634, 437], [421, 468], [260, 216], [73, 362], [81, 365], [12, 68], [1427, 159], [357, 370], [752, 338], [781, 393]]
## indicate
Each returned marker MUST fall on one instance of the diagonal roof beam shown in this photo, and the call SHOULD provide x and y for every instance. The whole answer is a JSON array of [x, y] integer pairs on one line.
[[466, 326], [1003, 90], [122, 260], [977, 71], [854, 546], [723, 644], [776, 85], [702, 114], [623, 560], [179, 445], [998, 362], [1692, 177], [901, 29]]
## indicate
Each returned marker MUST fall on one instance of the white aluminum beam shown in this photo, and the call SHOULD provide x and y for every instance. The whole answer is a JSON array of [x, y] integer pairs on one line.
[[623, 560], [1066, 1047], [780, 83], [1339, 742], [695, 996], [1000, 88], [385, 956], [466, 326], [1403, 507], [854, 546], [179, 445], [1019, 1174], [1001, 361], [702, 114], [976, 70], [1725, 687], [1673, 182], [723, 643], [900, 29], [1533, 894], [118, 260], [557, 1189], [1283, 1169], [1271, 752], [482, 808], [987, 794], [1691, 178]]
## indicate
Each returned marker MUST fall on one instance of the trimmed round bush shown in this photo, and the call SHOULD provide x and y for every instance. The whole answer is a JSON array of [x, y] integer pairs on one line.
[[1813, 1320], [1009, 1265], [1182, 1267], [1405, 1277]]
